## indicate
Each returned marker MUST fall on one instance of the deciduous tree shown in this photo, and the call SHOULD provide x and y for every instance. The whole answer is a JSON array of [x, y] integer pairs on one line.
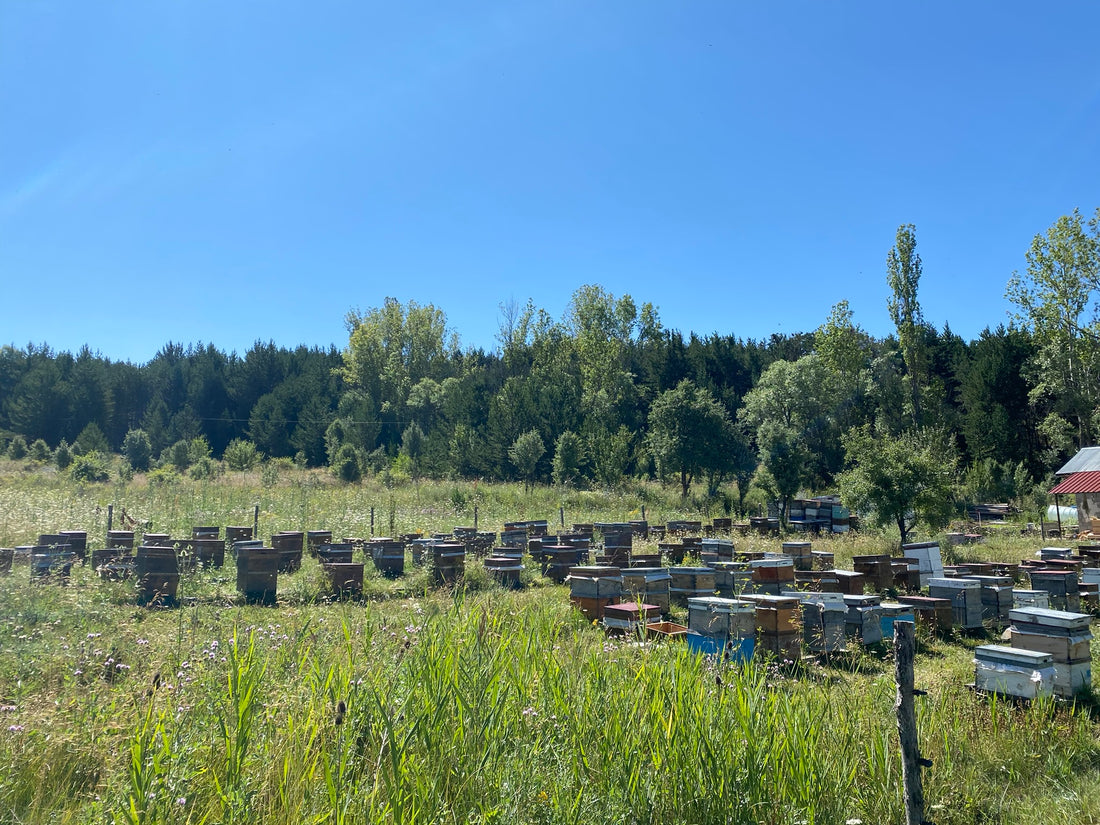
[[901, 480], [1057, 300]]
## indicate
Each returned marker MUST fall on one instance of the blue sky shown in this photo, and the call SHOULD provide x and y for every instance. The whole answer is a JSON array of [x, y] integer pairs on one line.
[[232, 171]]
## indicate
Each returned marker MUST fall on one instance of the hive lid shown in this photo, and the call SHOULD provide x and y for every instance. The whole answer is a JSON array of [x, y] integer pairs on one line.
[[1050, 618], [1000, 654], [955, 584]]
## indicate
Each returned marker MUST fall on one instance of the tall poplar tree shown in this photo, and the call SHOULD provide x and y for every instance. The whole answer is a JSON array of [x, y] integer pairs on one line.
[[903, 271]]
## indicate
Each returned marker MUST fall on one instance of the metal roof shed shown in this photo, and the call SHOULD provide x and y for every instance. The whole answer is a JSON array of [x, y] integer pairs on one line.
[[1085, 486], [1086, 460]]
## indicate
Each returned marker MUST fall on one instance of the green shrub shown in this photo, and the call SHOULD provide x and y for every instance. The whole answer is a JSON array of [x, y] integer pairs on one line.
[[241, 455], [163, 476], [178, 455], [63, 455], [345, 465], [90, 467], [40, 451], [17, 449], [138, 449], [204, 468], [269, 474], [91, 440]]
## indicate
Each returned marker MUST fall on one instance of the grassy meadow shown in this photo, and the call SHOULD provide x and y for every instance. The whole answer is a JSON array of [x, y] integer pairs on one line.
[[473, 705]]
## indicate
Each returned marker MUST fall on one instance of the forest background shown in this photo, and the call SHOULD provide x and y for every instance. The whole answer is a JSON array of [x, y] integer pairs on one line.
[[603, 394]]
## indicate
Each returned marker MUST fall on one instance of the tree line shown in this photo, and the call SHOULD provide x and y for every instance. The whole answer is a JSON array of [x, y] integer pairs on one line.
[[606, 392]]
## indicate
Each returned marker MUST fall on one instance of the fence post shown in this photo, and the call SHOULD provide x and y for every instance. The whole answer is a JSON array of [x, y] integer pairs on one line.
[[911, 762]]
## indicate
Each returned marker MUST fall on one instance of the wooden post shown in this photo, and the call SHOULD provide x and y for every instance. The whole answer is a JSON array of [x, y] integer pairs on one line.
[[904, 652], [110, 516], [561, 517], [643, 512], [256, 522], [475, 518], [1058, 512], [372, 521]]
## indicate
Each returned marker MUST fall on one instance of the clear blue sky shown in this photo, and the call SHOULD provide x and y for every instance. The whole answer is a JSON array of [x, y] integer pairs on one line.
[[233, 171]]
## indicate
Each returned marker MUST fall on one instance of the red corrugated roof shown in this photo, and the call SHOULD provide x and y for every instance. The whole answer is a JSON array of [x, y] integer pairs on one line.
[[1083, 482]]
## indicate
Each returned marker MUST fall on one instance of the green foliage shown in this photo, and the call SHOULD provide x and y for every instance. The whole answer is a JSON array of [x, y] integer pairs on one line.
[[138, 449], [178, 455], [690, 433], [63, 456], [269, 474], [163, 476], [525, 453], [412, 448], [241, 455], [391, 349], [792, 414], [903, 273], [199, 448], [17, 448], [610, 455], [90, 467], [345, 464], [204, 468], [39, 451], [91, 439], [987, 480], [902, 481], [1058, 299], [568, 458]]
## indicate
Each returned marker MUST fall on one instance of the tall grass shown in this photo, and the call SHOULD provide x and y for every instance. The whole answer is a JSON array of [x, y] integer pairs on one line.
[[472, 705]]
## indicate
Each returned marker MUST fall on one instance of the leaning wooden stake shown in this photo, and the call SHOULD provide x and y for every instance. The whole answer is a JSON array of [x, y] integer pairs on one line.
[[904, 651]]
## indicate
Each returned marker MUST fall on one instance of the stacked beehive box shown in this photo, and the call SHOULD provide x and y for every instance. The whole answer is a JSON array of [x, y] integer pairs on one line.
[[1030, 598], [877, 570], [506, 569], [732, 577], [934, 613], [849, 582], [891, 612], [771, 576], [966, 600], [800, 552], [926, 555], [730, 622], [817, 581], [864, 620], [690, 582], [629, 618], [649, 585], [721, 548], [1013, 671], [1065, 636], [778, 625], [618, 541], [997, 599], [593, 588], [448, 561], [824, 616], [1062, 587], [559, 559]]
